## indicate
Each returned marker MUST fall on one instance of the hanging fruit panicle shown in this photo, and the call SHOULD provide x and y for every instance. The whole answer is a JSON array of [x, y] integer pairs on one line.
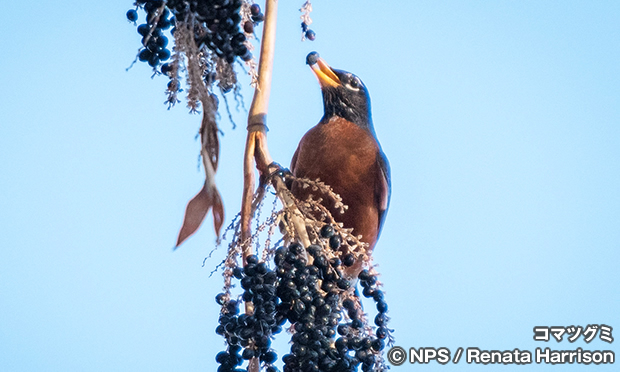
[[216, 27], [306, 21], [330, 332]]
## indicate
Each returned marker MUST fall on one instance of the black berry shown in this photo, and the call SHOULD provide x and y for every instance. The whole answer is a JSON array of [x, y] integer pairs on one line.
[[335, 241], [132, 15], [255, 9]]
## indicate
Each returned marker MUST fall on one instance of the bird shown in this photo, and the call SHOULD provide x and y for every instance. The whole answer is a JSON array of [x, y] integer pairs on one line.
[[343, 151]]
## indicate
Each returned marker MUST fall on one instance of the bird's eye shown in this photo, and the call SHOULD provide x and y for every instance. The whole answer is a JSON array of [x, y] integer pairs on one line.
[[354, 83]]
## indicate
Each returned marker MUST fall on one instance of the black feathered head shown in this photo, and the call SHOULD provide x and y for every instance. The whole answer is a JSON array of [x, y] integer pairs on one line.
[[344, 94]]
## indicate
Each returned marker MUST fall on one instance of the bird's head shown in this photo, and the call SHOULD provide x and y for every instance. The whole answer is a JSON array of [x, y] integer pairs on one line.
[[344, 94]]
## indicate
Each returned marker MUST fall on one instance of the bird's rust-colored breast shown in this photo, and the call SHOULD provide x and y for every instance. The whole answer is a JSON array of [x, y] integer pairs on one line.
[[344, 156]]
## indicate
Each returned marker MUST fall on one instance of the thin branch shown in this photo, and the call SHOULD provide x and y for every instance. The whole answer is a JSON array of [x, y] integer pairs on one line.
[[257, 124]]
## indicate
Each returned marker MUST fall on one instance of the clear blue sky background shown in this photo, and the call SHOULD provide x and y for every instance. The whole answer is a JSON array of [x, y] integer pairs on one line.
[[501, 120]]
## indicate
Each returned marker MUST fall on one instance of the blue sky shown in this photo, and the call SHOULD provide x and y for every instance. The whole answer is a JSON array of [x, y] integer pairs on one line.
[[501, 121]]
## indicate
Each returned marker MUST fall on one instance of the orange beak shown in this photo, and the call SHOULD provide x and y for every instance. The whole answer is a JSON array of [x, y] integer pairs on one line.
[[325, 75]]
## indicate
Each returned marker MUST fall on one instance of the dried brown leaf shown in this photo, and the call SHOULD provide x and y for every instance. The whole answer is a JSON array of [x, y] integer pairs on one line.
[[218, 212], [197, 209]]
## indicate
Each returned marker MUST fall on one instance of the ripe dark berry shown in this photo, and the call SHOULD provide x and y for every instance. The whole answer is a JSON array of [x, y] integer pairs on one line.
[[247, 296], [342, 343], [299, 307], [258, 18], [246, 282], [163, 54], [164, 23], [312, 58], [143, 29], [152, 5], [220, 298], [361, 354], [270, 277], [269, 357], [355, 343], [310, 35], [381, 320], [232, 307], [165, 69], [325, 309], [132, 15], [320, 262], [370, 282], [335, 241], [154, 61], [382, 333], [221, 357], [348, 304], [327, 286], [299, 350], [161, 41], [366, 343], [377, 295], [252, 259], [357, 324], [289, 358], [248, 354], [318, 302], [290, 258], [327, 231], [250, 269], [246, 333], [348, 260], [368, 292], [255, 9], [247, 56], [314, 250], [378, 345], [295, 248], [382, 306], [145, 55], [344, 284], [364, 275], [237, 271], [248, 27]]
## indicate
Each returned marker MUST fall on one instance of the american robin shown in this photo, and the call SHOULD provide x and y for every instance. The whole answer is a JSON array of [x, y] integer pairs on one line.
[[342, 151]]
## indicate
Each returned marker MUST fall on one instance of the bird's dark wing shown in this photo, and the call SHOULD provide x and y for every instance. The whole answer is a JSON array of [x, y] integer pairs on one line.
[[383, 188]]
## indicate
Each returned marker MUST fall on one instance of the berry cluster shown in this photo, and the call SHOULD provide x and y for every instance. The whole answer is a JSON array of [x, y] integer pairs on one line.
[[369, 283], [221, 33], [153, 40], [231, 358], [217, 28], [257, 17], [308, 289], [252, 332], [310, 297]]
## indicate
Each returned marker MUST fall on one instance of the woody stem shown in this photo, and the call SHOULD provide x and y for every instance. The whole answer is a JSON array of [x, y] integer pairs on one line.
[[257, 128]]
